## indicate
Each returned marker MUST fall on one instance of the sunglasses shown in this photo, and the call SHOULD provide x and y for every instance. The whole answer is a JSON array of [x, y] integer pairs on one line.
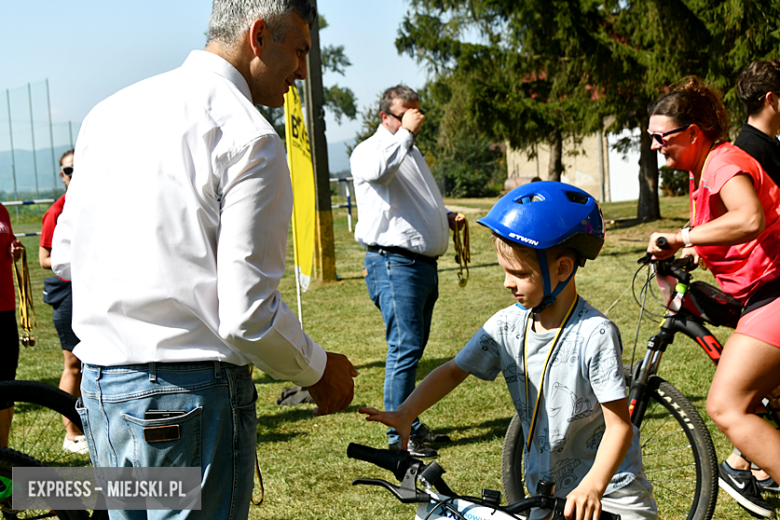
[[401, 118], [67, 170], [659, 137]]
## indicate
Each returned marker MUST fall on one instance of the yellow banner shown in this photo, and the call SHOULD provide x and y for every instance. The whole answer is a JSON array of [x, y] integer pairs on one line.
[[302, 176]]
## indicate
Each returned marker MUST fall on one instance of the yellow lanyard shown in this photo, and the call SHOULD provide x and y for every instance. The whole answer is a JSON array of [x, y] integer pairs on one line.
[[462, 250], [529, 323]]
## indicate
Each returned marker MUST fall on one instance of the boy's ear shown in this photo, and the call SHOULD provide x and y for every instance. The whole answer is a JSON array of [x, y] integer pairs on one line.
[[564, 267]]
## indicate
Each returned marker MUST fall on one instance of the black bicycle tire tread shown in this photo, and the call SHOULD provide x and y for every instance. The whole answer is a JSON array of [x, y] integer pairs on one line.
[[41, 394], [708, 459], [513, 490], [19, 459]]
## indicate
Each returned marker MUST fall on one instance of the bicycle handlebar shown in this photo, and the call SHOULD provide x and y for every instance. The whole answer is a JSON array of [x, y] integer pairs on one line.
[[397, 462], [408, 469]]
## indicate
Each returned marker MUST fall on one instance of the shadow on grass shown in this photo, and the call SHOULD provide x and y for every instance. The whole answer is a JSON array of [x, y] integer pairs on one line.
[[372, 364], [271, 423], [495, 428]]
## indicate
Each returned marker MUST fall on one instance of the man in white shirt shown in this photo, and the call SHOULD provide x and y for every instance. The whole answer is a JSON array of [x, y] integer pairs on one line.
[[403, 225], [175, 237]]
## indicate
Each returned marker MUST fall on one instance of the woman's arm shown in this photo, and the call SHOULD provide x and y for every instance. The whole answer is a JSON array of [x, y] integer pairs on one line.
[[742, 220], [44, 257]]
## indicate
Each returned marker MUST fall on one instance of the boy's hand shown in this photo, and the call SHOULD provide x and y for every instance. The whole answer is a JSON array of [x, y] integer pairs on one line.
[[583, 503], [398, 420]]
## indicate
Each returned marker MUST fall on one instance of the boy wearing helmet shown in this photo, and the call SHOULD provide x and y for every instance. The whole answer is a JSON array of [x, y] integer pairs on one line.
[[561, 358]]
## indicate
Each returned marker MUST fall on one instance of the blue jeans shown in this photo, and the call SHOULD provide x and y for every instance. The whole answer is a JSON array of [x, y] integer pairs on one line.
[[405, 291], [218, 433]]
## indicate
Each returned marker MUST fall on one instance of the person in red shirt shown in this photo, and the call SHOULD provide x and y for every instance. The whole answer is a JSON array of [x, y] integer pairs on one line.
[[10, 250], [735, 229], [57, 293]]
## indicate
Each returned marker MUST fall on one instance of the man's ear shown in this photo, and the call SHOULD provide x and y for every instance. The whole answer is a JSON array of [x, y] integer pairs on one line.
[[259, 36]]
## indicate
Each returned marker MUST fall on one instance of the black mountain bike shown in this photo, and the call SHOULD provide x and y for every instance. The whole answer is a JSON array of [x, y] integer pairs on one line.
[[677, 449], [35, 439]]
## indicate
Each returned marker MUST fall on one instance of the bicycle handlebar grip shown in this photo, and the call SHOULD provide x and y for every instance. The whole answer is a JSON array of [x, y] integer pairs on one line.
[[662, 242], [606, 515], [394, 461]]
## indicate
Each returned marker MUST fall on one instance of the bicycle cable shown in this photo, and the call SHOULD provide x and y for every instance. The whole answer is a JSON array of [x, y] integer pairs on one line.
[[446, 505], [643, 293]]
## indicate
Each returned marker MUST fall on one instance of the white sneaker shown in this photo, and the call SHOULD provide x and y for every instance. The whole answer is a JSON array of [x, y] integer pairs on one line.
[[77, 445]]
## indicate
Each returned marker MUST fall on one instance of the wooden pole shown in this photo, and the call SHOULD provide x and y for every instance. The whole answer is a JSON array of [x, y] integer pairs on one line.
[[324, 249]]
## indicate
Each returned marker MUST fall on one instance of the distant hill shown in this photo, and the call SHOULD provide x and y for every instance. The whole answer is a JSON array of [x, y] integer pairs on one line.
[[338, 160], [25, 166]]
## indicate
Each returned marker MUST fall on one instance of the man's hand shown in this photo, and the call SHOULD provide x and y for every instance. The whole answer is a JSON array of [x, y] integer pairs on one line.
[[335, 389], [15, 249], [412, 120], [454, 220]]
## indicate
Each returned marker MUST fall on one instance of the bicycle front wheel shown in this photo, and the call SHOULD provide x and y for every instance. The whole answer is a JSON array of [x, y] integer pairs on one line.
[[10, 459], [37, 428], [678, 454]]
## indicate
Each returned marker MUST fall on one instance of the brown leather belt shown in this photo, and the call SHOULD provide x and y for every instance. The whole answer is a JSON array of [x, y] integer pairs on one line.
[[402, 252]]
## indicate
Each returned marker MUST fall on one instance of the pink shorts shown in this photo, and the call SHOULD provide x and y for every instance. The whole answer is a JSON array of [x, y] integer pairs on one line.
[[761, 325]]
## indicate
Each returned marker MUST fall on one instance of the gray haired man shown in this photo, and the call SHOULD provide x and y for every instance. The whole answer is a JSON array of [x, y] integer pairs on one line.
[[175, 274]]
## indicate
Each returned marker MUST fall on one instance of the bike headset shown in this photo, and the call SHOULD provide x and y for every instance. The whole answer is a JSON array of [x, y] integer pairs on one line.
[[541, 215]]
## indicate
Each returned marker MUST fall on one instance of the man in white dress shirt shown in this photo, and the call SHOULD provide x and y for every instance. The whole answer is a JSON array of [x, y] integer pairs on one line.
[[404, 227], [175, 239]]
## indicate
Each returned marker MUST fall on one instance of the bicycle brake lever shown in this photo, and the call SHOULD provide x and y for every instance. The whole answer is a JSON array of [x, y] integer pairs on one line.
[[403, 493], [685, 262]]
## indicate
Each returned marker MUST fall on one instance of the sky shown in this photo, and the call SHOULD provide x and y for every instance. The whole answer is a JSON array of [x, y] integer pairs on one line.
[[89, 49]]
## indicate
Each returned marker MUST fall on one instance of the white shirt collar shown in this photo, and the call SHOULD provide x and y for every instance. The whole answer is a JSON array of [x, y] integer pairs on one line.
[[218, 65]]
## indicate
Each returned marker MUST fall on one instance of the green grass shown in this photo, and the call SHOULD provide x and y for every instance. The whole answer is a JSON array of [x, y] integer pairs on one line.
[[306, 471]]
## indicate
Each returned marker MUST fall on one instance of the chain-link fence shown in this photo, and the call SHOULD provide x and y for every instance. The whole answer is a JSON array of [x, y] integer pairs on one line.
[[31, 145]]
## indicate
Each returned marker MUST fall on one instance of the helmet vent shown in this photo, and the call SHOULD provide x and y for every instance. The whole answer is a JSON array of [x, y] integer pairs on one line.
[[529, 198], [577, 198]]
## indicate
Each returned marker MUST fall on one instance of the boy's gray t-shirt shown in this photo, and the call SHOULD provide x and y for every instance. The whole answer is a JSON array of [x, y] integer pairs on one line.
[[585, 369]]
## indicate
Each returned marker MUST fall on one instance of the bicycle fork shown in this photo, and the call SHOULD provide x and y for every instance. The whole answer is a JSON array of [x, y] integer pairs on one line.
[[656, 346]]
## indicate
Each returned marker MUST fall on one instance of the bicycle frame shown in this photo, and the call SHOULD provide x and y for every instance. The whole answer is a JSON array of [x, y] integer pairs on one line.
[[677, 319]]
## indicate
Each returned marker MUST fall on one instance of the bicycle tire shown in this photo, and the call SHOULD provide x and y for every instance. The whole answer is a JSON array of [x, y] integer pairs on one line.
[[10, 459], [37, 429], [677, 451]]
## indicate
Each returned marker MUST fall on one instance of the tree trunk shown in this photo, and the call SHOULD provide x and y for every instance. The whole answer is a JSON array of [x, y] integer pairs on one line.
[[555, 168], [647, 208]]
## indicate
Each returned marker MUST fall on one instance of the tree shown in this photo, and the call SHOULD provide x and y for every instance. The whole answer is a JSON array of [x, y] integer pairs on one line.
[[532, 71], [523, 79]]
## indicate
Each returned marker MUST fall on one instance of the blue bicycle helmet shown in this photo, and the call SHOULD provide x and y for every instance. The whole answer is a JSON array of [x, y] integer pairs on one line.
[[544, 214]]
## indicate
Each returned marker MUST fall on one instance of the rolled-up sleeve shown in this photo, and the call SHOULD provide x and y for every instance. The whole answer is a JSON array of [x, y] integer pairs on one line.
[[256, 207]]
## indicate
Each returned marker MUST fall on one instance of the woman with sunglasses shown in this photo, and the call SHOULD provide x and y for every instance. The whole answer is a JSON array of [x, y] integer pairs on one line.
[[57, 293], [735, 229]]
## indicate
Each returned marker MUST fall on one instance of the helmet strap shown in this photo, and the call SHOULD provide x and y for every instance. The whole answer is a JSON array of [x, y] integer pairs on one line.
[[549, 295]]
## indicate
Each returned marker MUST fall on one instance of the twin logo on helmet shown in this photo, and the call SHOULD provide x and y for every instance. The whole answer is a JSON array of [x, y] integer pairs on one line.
[[524, 239]]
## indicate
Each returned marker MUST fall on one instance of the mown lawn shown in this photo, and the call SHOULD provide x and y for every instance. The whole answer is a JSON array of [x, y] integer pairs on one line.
[[306, 471]]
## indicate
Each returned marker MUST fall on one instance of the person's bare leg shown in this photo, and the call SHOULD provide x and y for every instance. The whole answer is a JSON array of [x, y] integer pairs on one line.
[[6, 416], [748, 370], [71, 382]]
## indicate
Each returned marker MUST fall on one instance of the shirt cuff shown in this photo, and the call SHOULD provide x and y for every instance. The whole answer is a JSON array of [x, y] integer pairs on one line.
[[313, 373], [407, 136]]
